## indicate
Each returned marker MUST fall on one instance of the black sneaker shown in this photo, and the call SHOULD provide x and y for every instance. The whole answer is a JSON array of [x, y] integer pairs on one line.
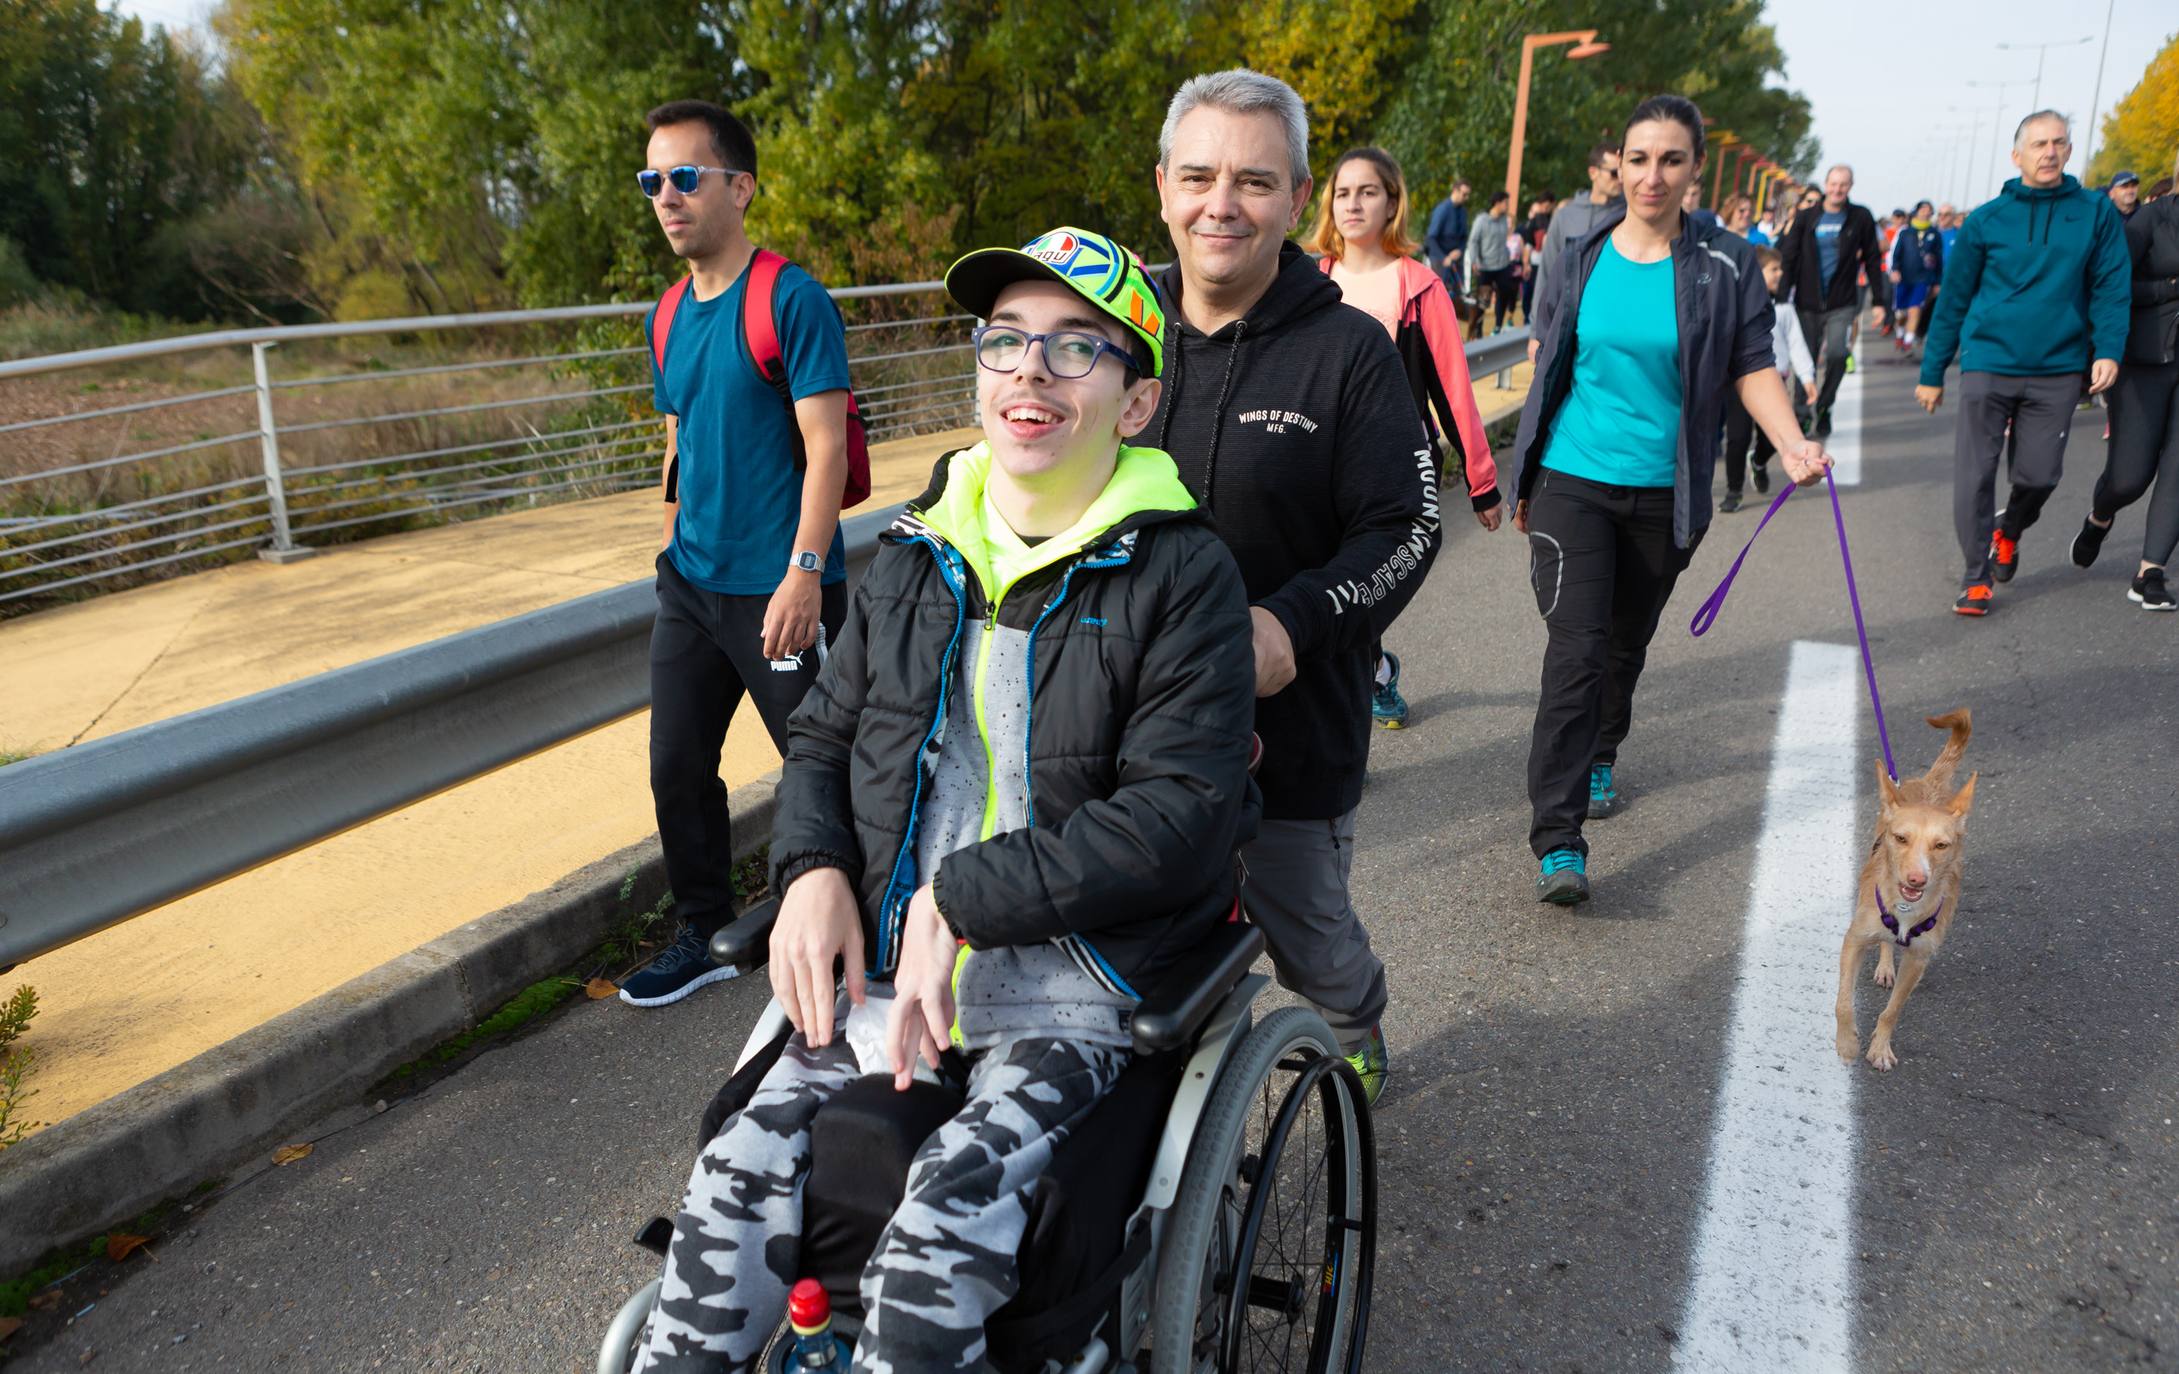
[[2004, 555], [2088, 543], [678, 970], [2150, 593], [1730, 504], [1823, 424], [1762, 479]]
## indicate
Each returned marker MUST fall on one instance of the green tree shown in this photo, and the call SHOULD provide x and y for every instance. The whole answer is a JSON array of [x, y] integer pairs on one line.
[[2141, 134]]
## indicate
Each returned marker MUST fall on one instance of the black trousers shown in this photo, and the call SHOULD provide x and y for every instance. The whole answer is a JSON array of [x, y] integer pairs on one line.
[[1505, 293], [1602, 562], [707, 652], [1740, 430], [2144, 449]]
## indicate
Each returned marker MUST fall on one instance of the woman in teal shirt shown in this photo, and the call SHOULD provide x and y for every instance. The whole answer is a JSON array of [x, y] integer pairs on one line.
[[1659, 319]]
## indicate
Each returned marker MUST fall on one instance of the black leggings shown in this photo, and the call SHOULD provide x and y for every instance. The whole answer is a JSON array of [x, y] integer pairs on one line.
[[1602, 562], [707, 652], [1505, 289], [2144, 449]]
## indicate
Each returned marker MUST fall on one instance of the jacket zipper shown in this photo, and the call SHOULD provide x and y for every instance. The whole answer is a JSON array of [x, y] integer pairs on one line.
[[892, 908]]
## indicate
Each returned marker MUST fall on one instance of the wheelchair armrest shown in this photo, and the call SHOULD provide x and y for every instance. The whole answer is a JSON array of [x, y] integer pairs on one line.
[[746, 941], [1170, 1020]]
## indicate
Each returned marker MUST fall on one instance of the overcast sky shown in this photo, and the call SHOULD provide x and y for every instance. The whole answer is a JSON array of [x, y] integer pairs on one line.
[[1884, 78]]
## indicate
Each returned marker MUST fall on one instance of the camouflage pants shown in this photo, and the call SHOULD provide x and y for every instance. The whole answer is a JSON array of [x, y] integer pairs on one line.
[[944, 1262]]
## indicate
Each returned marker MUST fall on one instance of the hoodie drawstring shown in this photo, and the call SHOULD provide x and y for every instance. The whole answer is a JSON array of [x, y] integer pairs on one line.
[[1218, 416]]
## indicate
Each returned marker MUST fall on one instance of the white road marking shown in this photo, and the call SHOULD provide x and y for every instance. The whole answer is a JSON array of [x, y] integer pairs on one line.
[[1773, 1288], [1844, 445]]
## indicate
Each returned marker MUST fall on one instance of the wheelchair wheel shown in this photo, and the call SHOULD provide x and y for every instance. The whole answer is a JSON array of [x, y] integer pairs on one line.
[[1268, 1261]]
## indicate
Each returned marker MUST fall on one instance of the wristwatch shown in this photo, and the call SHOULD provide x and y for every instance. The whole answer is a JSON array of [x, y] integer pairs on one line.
[[805, 561]]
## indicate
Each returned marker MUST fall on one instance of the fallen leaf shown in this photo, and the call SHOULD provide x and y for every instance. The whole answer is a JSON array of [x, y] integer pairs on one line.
[[598, 988], [46, 1301], [119, 1246], [288, 1154], [9, 1326]]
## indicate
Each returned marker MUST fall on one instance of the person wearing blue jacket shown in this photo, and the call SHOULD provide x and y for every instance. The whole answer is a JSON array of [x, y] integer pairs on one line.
[[1658, 320], [1447, 237], [2035, 293]]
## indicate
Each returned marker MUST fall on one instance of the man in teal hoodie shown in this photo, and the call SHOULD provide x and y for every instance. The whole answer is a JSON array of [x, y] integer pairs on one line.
[[2035, 293]]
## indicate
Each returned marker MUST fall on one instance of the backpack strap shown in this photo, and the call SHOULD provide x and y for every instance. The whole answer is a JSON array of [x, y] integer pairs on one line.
[[662, 319], [759, 327]]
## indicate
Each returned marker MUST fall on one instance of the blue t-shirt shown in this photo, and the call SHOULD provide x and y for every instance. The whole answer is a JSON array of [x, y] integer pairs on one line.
[[740, 491], [1827, 244], [1620, 424]]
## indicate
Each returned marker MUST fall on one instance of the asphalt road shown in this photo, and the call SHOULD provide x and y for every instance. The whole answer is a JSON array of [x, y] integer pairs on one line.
[[1546, 1139]]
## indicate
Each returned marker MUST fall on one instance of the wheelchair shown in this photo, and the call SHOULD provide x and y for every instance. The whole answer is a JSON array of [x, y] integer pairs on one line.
[[1238, 1235]]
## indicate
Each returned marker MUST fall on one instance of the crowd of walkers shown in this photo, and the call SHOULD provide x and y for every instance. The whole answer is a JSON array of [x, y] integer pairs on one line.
[[1138, 626]]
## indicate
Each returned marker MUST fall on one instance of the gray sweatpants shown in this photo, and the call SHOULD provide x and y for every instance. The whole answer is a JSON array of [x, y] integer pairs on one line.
[[1829, 336], [2039, 411], [1296, 893], [944, 1263]]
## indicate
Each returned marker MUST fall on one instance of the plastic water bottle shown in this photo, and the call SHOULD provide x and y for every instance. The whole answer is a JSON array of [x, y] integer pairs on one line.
[[816, 1350]]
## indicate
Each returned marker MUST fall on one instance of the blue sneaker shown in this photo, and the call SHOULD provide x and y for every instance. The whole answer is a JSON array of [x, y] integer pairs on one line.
[[1387, 707], [1604, 799], [1564, 879], [678, 970]]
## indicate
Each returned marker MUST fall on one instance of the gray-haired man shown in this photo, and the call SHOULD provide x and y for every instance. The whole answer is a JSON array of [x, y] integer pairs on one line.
[[1289, 416]]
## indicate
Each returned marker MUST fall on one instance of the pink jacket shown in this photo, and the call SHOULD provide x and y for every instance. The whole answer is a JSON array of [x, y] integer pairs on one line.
[[1437, 374]]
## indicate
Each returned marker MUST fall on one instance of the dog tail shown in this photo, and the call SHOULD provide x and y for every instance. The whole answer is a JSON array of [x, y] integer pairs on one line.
[[1962, 725]]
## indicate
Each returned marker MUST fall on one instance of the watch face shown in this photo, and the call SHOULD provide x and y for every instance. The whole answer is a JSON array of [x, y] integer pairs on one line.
[[807, 562]]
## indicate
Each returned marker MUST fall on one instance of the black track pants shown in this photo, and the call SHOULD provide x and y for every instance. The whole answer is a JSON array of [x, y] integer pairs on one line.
[[2025, 419], [707, 651], [1602, 561], [2144, 449]]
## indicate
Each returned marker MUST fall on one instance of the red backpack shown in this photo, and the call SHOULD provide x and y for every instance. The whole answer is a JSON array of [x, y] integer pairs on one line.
[[760, 344]]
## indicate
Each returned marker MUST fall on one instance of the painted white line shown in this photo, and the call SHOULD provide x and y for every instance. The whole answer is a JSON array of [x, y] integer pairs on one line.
[[1773, 1288], [1844, 445]]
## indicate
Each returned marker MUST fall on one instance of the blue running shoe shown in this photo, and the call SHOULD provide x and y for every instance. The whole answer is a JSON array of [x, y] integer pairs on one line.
[[1373, 1063], [678, 970], [1604, 799], [1387, 707], [1564, 879]]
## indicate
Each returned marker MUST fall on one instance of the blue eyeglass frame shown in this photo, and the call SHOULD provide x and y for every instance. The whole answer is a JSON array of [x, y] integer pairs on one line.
[[653, 181], [1104, 346]]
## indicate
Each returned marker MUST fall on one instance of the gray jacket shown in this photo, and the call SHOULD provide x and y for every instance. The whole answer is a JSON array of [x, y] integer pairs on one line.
[[1725, 316], [1570, 223], [1487, 243]]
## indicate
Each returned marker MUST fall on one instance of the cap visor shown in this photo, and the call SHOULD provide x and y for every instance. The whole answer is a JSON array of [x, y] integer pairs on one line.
[[976, 280]]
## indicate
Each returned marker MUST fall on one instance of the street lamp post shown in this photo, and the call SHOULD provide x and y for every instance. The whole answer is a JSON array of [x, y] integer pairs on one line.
[[1585, 45], [2095, 104], [2041, 49], [1997, 124]]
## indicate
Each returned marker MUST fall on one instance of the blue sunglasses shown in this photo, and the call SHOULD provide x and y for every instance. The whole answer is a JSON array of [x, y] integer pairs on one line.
[[684, 179]]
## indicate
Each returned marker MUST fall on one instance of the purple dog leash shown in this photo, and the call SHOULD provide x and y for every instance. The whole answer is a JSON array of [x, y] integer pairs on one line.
[[1707, 614]]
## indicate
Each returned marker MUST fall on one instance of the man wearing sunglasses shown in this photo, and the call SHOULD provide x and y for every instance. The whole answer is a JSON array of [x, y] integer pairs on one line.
[[752, 578]]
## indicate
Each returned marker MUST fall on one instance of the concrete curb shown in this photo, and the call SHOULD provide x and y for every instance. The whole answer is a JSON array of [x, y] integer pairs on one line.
[[231, 1104]]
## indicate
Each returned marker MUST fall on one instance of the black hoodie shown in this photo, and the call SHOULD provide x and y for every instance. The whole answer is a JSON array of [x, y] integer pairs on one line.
[[1295, 428]]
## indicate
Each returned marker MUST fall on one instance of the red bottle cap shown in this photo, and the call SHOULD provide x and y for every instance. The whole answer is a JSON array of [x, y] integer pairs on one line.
[[809, 1308]]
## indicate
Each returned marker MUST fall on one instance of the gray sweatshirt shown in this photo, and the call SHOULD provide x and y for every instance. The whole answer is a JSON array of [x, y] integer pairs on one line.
[[1487, 243], [1569, 224]]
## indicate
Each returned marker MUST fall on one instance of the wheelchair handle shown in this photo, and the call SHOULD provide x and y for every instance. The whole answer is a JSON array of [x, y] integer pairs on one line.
[[745, 943]]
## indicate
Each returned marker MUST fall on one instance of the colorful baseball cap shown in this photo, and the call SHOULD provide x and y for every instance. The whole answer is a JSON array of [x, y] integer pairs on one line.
[[1103, 272]]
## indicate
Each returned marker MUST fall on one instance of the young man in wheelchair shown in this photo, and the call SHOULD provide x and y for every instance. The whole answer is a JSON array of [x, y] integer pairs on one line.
[[1012, 794]]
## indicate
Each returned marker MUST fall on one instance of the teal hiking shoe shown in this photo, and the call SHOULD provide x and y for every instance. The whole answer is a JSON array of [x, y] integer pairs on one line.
[[1604, 799], [1387, 707], [1564, 879], [1373, 1063]]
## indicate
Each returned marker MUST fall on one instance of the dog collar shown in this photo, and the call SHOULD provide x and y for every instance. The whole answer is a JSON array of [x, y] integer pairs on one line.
[[1891, 922]]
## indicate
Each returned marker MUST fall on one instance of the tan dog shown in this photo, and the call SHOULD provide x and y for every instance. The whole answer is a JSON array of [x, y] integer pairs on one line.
[[1910, 887]]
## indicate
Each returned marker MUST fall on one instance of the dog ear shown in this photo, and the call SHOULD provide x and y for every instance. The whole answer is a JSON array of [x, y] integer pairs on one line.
[[1963, 800], [1887, 791]]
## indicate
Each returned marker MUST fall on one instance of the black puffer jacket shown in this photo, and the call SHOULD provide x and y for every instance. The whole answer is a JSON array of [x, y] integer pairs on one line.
[[2152, 237], [1141, 702]]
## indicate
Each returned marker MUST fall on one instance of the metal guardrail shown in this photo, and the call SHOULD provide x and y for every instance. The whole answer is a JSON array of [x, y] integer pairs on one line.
[[195, 490], [93, 835]]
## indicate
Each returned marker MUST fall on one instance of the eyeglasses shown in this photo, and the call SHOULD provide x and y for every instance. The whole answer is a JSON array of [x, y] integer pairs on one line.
[[684, 179], [1069, 354]]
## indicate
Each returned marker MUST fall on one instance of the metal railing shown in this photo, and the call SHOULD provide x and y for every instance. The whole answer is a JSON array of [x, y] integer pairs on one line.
[[115, 493]]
